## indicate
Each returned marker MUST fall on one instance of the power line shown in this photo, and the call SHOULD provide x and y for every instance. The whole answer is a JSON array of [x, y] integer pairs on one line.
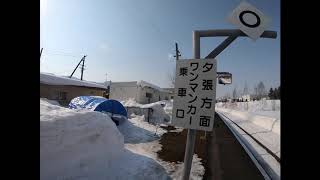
[[62, 53], [58, 54]]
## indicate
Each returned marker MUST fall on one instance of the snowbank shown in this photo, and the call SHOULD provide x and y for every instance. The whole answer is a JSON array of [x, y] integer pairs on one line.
[[159, 115], [252, 106], [268, 123], [87, 145], [137, 130], [143, 138], [77, 144], [53, 102], [268, 108]]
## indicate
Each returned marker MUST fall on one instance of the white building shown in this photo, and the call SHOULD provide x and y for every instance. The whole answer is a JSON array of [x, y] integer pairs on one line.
[[245, 98], [141, 91]]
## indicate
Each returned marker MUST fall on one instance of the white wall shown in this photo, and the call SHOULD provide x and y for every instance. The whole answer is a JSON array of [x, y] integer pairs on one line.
[[165, 95], [123, 92], [142, 98]]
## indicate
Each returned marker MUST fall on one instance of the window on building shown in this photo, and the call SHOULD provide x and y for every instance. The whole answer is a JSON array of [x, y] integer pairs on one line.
[[62, 95], [148, 95]]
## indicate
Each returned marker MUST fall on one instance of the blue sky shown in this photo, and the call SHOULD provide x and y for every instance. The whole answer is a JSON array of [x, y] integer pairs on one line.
[[133, 39]]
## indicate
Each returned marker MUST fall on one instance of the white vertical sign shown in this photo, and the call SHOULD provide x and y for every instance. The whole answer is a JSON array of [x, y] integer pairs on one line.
[[195, 94]]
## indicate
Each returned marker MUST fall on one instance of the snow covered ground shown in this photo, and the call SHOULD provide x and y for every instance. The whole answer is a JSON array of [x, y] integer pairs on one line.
[[143, 138], [87, 145], [261, 119], [53, 102], [270, 108]]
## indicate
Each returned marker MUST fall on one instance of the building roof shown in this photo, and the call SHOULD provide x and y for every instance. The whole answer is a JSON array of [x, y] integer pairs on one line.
[[51, 79]]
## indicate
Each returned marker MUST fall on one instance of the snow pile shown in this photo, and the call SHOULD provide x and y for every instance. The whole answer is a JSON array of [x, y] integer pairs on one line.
[[87, 145], [51, 79], [131, 103], [159, 115], [268, 123], [53, 102], [77, 144], [197, 169], [252, 106], [269, 108], [168, 107], [143, 138], [136, 129]]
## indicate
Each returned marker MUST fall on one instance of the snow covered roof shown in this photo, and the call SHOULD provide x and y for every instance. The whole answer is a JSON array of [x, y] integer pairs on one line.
[[51, 79], [139, 83], [124, 84], [146, 84]]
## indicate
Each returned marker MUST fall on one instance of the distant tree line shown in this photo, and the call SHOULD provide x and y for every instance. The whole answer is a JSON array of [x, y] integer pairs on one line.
[[274, 93], [259, 92]]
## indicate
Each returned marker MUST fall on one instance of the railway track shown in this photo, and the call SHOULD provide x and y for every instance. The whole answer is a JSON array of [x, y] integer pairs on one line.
[[263, 167]]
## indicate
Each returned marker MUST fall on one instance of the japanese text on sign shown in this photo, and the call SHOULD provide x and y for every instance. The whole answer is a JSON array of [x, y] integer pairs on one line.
[[195, 91]]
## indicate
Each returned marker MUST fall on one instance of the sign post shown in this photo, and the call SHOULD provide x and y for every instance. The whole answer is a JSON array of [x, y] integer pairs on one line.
[[252, 23], [191, 138]]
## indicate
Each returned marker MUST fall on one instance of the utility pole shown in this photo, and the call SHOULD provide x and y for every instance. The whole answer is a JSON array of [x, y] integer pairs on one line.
[[82, 68], [177, 52], [83, 58], [41, 52]]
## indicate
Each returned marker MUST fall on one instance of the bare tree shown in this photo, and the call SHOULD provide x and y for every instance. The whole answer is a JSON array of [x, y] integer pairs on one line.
[[254, 94], [234, 93], [106, 83], [260, 90], [245, 89], [171, 77], [227, 96]]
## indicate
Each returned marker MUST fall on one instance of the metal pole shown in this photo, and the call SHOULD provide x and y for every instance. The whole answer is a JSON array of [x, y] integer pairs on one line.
[[82, 69], [41, 52], [191, 139], [222, 46], [228, 32], [177, 52]]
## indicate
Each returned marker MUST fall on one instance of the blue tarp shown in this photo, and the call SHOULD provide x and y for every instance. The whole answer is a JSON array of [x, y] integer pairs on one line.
[[96, 103]]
